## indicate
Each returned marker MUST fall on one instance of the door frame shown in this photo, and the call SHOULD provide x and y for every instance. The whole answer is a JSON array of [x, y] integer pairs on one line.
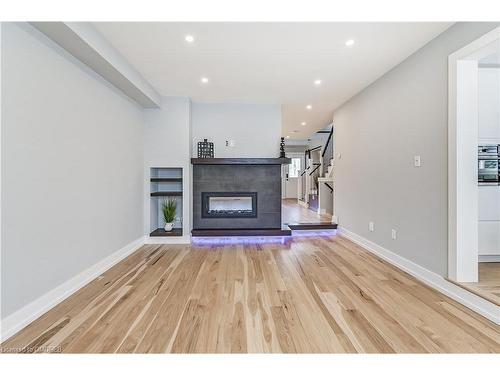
[[292, 154], [463, 189]]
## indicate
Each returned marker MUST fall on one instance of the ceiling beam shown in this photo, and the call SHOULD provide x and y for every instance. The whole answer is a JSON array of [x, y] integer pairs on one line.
[[85, 43]]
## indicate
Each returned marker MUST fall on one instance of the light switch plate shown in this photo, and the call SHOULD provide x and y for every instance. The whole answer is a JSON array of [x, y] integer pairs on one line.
[[371, 226], [417, 161]]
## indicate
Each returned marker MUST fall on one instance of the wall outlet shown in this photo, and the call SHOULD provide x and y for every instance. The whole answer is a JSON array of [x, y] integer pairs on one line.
[[393, 234], [417, 161], [371, 226]]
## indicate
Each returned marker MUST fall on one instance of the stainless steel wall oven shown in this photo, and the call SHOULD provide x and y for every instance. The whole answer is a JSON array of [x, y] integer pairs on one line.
[[489, 164]]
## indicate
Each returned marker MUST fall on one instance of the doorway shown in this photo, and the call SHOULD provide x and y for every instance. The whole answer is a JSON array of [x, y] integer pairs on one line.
[[291, 175], [473, 196]]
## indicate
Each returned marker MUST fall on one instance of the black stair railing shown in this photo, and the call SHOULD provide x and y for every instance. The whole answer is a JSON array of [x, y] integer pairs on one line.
[[317, 165], [327, 142], [327, 152]]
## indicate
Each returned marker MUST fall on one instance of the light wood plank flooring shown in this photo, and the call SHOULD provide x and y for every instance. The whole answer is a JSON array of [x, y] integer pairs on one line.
[[292, 212], [488, 286], [309, 295]]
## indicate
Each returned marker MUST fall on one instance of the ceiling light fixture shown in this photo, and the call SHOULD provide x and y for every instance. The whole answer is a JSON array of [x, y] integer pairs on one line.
[[309, 106], [189, 38], [349, 42], [287, 136], [317, 82], [204, 80], [303, 123]]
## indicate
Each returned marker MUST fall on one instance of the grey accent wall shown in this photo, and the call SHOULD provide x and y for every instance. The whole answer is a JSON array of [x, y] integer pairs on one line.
[[71, 167], [263, 179], [378, 132]]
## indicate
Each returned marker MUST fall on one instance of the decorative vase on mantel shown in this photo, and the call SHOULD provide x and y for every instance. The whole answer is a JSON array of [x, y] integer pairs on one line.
[[168, 227], [282, 147]]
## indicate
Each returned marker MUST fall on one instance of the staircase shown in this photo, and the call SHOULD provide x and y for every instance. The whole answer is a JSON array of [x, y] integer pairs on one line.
[[315, 183], [329, 170]]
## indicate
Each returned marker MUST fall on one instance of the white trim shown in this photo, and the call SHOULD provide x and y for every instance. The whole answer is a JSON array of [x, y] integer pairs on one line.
[[462, 207], [489, 258], [481, 306], [25, 315], [167, 240], [1, 153]]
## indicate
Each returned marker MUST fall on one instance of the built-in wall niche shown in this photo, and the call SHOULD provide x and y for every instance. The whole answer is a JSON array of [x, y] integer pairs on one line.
[[165, 183]]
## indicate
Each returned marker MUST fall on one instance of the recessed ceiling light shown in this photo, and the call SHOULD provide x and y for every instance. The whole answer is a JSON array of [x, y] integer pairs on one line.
[[303, 123], [204, 80], [349, 42], [317, 82], [295, 131], [309, 106], [287, 136], [189, 38]]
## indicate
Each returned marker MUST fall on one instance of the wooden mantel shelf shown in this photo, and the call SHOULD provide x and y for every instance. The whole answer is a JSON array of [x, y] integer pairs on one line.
[[240, 161]]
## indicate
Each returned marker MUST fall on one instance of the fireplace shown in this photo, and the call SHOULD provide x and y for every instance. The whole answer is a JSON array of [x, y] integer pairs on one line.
[[229, 204], [237, 197]]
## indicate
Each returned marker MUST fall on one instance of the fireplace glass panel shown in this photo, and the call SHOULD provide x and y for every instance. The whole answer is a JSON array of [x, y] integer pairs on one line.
[[229, 205]]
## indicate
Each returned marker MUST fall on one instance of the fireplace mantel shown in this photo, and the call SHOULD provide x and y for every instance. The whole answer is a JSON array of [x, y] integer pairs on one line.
[[240, 161]]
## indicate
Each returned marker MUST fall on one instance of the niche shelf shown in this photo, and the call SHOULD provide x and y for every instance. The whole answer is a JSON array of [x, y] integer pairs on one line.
[[165, 183]]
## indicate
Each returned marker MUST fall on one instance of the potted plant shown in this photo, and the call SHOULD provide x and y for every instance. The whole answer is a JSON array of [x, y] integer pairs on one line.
[[169, 208]]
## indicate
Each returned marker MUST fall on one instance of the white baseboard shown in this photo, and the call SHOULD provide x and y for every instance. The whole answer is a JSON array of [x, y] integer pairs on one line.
[[168, 240], [435, 281], [489, 258], [24, 316]]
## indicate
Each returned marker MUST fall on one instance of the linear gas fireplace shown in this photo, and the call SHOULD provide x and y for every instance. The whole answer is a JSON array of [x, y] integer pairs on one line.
[[229, 204]]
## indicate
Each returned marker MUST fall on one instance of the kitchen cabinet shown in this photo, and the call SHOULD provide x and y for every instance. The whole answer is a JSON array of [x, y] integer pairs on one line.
[[489, 220], [489, 203], [489, 105], [489, 237]]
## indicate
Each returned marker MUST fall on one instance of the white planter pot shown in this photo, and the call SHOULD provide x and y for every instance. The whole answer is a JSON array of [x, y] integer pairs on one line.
[[169, 226]]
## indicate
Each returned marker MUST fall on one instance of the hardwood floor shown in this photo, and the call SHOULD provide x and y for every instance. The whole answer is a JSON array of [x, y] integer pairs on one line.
[[292, 212], [309, 295], [488, 286]]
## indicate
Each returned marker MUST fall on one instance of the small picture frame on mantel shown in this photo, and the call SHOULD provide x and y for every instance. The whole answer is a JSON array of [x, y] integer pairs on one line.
[[205, 149]]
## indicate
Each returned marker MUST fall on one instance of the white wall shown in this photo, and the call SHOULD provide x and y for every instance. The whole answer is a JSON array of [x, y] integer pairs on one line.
[[167, 139], [255, 128], [378, 132], [72, 167]]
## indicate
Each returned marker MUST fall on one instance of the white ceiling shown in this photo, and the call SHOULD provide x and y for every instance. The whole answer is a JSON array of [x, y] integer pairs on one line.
[[268, 62]]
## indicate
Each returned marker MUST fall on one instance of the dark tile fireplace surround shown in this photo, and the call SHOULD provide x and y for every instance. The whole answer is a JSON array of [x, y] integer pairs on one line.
[[237, 197]]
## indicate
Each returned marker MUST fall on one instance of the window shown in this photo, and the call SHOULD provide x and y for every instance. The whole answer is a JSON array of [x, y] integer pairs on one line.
[[294, 168]]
